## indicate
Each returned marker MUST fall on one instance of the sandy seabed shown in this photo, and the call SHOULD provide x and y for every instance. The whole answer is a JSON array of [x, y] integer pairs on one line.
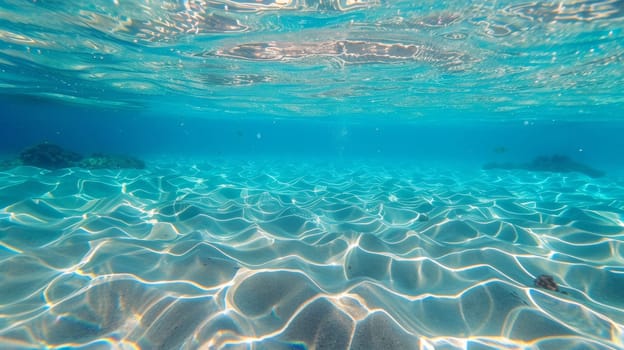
[[257, 255]]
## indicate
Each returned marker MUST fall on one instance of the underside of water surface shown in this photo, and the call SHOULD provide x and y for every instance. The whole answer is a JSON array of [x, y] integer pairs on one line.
[[294, 174], [367, 58]]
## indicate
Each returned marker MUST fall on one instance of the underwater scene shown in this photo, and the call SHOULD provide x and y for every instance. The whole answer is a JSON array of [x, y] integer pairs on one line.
[[311, 174]]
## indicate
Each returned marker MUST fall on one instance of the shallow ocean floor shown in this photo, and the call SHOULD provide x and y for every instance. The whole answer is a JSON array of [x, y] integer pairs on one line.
[[259, 255]]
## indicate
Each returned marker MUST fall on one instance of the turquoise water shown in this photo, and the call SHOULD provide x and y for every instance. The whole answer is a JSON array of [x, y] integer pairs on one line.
[[344, 174]]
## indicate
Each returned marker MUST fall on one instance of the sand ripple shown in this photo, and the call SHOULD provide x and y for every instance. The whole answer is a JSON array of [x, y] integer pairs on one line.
[[266, 256]]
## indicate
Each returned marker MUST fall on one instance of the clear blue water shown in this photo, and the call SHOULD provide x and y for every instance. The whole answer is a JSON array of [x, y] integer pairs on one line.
[[344, 174]]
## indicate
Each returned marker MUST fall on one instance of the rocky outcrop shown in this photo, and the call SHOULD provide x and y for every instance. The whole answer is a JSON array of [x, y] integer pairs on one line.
[[51, 156], [555, 164]]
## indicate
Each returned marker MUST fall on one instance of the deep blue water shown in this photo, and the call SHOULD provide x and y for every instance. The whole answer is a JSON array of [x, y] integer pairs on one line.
[[311, 174], [450, 143]]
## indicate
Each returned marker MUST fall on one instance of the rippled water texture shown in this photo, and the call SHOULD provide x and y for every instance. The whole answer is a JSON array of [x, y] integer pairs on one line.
[[545, 59], [254, 255]]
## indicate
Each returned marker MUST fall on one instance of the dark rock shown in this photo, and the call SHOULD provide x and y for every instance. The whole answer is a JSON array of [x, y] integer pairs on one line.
[[111, 161], [49, 156], [562, 164], [555, 163], [547, 282]]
